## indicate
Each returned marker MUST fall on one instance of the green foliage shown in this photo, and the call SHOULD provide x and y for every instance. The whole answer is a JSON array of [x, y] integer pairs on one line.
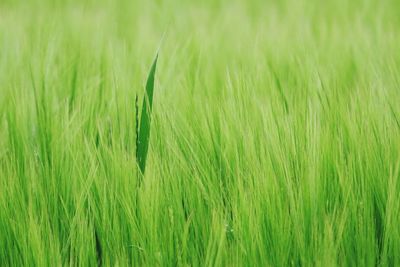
[[275, 134], [143, 134]]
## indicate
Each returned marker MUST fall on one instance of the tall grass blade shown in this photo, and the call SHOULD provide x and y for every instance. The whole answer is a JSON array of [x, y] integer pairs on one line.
[[144, 130]]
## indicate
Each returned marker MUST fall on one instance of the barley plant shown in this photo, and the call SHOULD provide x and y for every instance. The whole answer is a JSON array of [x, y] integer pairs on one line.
[[268, 135]]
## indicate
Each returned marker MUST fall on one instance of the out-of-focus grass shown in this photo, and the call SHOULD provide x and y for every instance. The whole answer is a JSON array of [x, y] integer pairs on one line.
[[274, 136]]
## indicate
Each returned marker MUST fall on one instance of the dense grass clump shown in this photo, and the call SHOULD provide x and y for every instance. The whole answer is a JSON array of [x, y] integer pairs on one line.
[[275, 133]]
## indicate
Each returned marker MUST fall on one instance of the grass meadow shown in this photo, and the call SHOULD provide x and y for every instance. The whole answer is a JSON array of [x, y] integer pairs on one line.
[[274, 136]]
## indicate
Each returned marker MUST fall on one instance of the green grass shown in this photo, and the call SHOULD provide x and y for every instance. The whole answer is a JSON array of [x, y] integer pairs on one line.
[[143, 132], [275, 137]]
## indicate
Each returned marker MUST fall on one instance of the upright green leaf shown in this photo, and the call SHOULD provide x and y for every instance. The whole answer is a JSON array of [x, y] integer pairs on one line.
[[143, 136]]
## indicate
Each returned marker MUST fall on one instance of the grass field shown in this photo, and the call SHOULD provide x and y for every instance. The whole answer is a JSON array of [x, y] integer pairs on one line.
[[274, 141]]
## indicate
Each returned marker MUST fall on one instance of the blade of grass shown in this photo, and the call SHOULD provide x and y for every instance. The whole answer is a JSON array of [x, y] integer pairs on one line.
[[143, 135]]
